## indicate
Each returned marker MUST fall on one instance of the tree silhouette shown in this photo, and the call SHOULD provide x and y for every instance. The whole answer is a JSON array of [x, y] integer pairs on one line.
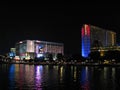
[[95, 56]]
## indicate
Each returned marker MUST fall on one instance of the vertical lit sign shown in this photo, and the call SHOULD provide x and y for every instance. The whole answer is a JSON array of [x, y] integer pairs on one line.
[[85, 29]]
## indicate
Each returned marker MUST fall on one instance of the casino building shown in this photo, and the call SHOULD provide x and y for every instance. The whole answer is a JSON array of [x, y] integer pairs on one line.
[[34, 48], [95, 38]]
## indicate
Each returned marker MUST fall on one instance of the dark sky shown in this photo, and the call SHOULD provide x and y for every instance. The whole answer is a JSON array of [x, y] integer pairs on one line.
[[60, 22]]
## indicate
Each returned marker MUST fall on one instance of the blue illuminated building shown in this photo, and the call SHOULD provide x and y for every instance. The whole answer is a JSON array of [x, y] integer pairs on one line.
[[95, 37], [85, 41]]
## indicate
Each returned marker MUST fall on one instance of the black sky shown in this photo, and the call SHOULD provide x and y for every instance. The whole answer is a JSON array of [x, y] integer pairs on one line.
[[54, 22]]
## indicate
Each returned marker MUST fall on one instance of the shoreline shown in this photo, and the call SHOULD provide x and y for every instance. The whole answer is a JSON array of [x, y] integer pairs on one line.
[[68, 63]]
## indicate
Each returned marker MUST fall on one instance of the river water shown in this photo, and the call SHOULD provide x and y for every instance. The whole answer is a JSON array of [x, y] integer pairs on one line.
[[58, 77]]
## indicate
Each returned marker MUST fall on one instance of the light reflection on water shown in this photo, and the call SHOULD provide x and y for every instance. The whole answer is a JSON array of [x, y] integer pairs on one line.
[[58, 77], [85, 78]]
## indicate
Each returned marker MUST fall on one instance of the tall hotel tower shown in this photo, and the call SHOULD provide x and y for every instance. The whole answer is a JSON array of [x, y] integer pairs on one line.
[[93, 36]]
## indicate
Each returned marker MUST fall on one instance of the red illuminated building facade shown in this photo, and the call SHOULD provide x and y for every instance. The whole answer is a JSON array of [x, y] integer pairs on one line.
[[93, 37]]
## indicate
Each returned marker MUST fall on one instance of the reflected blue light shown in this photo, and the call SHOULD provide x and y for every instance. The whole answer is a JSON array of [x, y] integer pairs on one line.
[[12, 69], [84, 79], [12, 77]]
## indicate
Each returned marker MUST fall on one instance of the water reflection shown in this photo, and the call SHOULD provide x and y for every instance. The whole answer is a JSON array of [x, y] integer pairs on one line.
[[21, 76], [113, 78], [58, 77], [85, 79], [61, 73], [11, 76], [75, 74], [38, 77]]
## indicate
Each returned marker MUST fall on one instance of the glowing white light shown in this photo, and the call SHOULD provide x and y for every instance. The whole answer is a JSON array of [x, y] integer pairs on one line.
[[37, 41], [20, 42], [39, 55]]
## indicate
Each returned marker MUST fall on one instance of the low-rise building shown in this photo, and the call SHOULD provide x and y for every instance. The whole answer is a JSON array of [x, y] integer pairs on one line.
[[35, 49]]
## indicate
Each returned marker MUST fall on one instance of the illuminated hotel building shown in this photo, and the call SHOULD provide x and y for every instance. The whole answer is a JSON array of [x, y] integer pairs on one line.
[[95, 37], [33, 48]]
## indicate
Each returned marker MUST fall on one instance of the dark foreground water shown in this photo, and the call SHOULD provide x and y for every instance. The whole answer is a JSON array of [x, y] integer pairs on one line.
[[48, 77]]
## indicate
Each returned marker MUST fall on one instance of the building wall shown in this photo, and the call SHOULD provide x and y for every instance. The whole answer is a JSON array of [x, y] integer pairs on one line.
[[98, 37], [93, 36], [30, 46], [85, 40], [35, 48], [111, 38]]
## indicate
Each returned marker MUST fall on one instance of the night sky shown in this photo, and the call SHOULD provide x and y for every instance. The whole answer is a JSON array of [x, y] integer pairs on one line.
[[59, 22]]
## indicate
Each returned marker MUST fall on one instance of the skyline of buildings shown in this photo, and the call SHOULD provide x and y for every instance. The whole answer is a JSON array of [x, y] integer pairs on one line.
[[92, 37]]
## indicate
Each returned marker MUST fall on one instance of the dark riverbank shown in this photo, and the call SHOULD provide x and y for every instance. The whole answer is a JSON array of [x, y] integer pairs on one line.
[[61, 63]]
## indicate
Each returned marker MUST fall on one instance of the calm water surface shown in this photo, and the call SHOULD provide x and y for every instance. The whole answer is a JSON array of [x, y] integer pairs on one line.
[[55, 77]]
